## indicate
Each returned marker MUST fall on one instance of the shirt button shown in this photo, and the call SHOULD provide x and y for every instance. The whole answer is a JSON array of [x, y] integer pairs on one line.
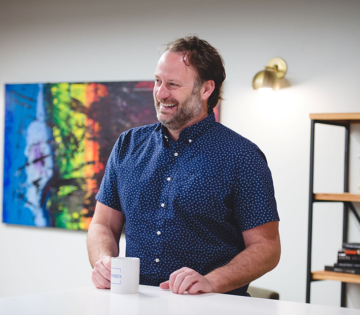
[[157, 259], [190, 140], [176, 154], [163, 205], [158, 232], [168, 179]]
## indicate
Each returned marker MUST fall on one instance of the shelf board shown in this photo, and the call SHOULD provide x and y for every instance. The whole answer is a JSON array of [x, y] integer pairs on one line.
[[338, 197], [337, 117], [337, 276]]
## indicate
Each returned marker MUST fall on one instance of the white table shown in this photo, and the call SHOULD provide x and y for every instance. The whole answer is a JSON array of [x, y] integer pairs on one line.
[[153, 300]]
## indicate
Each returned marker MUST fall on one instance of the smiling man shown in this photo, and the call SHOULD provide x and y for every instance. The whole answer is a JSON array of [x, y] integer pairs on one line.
[[177, 97], [197, 198]]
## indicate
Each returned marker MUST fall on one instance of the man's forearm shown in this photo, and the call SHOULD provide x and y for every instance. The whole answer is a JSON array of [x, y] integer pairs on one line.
[[101, 242], [250, 264]]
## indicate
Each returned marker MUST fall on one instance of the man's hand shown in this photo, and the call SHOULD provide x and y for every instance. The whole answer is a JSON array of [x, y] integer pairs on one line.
[[103, 242], [186, 279], [101, 273]]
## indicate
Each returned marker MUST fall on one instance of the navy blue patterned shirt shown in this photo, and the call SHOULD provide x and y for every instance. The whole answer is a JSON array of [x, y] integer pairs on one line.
[[186, 203]]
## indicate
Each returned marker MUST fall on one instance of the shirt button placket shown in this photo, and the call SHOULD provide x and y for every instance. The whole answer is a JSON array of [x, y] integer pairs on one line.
[[158, 240]]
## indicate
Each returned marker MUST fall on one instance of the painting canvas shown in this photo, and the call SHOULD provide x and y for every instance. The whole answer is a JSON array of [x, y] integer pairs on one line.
[[58, 137]]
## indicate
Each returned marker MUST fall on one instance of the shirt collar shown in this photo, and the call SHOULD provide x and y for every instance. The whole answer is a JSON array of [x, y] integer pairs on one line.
[[193, 132]]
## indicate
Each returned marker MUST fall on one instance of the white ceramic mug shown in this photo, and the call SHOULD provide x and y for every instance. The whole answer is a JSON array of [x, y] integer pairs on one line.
[[125, 273]]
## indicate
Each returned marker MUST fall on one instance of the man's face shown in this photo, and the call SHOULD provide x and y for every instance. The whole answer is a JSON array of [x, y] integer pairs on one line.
[[177, 93]]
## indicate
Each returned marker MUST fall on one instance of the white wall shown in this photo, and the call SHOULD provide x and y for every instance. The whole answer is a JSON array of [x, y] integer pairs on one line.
[[56, 41]]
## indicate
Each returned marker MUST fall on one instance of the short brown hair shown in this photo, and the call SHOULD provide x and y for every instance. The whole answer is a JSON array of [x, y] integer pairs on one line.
[[205, 59]]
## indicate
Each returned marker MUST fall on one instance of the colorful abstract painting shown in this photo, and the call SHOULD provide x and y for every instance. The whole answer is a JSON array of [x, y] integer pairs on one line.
[[58, 137]]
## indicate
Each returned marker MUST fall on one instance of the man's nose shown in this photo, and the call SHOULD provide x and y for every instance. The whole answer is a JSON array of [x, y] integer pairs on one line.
[[162, 92]]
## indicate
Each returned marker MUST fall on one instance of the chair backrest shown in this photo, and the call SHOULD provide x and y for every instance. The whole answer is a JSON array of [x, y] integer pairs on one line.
[[263, 293]]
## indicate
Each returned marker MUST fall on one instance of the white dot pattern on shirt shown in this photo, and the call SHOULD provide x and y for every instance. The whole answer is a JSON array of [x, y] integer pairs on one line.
[[220, 185]]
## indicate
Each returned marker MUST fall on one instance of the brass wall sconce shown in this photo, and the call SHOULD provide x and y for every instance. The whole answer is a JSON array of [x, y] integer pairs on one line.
[[270, 77]]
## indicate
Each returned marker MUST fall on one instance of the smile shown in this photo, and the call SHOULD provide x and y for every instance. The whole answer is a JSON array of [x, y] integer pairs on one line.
[[167, 105]]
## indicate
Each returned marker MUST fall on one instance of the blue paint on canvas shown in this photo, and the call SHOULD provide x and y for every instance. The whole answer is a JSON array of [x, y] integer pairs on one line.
[[20, 110]]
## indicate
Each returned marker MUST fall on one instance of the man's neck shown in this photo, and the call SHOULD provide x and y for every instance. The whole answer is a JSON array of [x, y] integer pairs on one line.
[[174, 134]]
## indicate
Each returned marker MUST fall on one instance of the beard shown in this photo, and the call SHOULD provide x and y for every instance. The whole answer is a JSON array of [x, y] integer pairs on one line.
[[186, 111]]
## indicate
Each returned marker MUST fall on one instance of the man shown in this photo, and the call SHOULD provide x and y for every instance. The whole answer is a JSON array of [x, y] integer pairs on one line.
[[197, 198]]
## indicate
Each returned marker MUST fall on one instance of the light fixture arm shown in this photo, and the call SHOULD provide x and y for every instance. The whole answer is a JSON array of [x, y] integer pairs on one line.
[[278, 65], [269, 78]]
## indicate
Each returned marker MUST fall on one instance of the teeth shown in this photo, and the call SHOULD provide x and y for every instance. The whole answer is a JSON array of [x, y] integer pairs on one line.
[[167, 105]]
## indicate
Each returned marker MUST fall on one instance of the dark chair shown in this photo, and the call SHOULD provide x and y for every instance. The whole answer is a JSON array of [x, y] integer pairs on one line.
[[263, 293]]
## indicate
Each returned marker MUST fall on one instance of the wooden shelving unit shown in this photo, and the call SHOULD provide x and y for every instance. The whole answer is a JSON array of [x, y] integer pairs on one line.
[[337, 117], [343, 120], [344, 197], [337, 276]]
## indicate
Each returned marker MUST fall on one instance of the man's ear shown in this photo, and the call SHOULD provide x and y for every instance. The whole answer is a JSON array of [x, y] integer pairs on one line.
[[207, 89]]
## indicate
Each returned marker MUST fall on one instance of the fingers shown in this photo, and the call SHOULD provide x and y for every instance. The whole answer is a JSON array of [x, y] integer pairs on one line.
[[101, 274], [165, 285], [186, 279], [182, 279], [107, 263], [97, 284], [188, 282], [99, 281], [105, 272], [196, 288], [174, 275]]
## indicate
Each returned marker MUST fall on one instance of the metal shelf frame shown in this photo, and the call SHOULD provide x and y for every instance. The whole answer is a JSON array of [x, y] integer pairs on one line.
[[346, 207]]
